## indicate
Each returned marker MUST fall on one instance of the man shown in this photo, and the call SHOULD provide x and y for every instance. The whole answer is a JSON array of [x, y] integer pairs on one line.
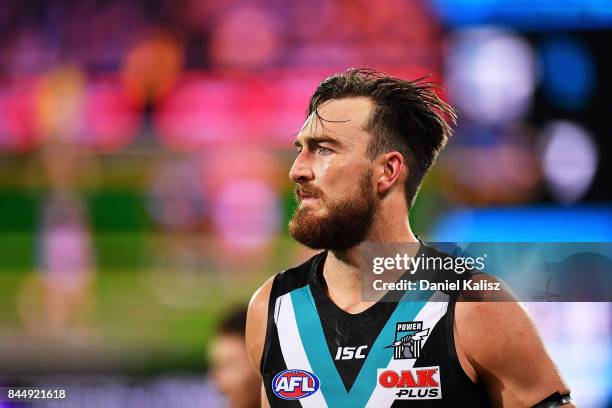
[[232, 373], [368, 142]]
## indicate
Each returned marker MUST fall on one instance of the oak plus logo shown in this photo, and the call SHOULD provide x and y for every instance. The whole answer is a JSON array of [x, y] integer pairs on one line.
[[349, 353], [412, 384]]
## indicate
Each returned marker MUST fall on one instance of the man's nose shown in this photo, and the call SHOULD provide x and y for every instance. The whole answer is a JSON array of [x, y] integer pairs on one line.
[[301, 171]]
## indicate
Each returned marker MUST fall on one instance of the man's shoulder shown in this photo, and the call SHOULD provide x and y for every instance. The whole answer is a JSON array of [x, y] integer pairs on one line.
[[286, 281], [502, 344], [487, 321], [260, 306], [297, 276]]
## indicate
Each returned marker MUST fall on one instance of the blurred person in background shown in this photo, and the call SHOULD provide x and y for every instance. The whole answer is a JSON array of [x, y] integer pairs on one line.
[[232, 372], [65, 251]]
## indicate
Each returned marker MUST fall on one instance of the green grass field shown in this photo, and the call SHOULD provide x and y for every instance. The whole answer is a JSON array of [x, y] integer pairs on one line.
[[138, 320]]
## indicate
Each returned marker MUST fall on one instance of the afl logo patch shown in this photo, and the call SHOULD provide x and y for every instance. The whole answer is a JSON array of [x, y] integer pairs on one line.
[[294, 384]]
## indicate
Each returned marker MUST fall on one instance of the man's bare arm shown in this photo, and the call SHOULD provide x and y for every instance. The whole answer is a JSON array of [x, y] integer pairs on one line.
[[498, 345], [257, 318], [264, 398]]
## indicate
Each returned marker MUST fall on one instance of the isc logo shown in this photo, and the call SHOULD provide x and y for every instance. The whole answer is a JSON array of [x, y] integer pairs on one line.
[[294, 384], [349, 353]]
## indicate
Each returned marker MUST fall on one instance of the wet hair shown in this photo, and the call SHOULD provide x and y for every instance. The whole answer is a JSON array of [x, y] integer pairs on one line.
[[408, 117]]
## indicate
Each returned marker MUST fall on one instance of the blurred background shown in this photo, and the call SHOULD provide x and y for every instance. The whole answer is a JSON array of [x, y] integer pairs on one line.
[[145, 147]]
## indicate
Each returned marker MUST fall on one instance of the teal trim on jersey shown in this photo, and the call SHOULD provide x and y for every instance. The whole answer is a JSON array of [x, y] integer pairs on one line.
[[320, 359]]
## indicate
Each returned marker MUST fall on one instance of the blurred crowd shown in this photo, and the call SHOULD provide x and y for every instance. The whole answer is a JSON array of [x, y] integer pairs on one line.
[[103, 36], [145, 147]]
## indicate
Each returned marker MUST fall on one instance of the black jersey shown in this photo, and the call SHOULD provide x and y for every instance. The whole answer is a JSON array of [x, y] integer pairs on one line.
[[394, 354]]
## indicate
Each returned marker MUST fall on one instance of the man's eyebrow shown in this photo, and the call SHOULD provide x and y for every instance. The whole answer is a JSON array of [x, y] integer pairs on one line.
[[314, 140]]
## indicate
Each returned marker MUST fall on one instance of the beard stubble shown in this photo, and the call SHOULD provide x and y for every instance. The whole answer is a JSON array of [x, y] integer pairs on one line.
[[345, 225]]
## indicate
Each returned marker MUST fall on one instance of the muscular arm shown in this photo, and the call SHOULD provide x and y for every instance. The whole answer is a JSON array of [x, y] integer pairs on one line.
[[498, 345], [257, 317]]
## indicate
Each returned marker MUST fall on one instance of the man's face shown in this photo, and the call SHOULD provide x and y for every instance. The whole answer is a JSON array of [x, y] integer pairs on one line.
[[333, 176], [232, 372]]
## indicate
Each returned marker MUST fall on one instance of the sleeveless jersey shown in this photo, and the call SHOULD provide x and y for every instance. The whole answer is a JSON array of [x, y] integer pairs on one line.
[[394, 354]]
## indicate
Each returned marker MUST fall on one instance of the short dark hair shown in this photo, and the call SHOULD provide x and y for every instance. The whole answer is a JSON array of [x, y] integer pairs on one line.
[[408, 117], [234, 323]]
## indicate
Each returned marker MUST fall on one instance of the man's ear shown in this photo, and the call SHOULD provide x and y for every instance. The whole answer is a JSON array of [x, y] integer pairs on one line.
[[392, 167]]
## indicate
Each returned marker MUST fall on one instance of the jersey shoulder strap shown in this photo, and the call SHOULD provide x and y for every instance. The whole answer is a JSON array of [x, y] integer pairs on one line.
[[284, 282], [296, 277]]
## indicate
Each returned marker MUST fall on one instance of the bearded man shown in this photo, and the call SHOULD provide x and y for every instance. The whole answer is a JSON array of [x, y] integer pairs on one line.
[[367, 144]]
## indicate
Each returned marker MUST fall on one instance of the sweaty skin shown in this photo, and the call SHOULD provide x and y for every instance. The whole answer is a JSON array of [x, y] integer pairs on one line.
[[496, 342]]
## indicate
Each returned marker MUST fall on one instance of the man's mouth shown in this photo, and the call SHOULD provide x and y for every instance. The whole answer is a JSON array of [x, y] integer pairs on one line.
[[305, 195]]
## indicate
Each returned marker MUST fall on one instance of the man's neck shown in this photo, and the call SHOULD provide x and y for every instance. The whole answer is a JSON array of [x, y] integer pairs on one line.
[[342, 269]]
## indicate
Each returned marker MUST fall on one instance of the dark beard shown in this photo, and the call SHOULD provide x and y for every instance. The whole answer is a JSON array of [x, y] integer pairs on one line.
[[346, 225]]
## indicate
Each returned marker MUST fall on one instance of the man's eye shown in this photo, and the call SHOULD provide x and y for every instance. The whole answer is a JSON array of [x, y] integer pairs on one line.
[[323, 150]]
